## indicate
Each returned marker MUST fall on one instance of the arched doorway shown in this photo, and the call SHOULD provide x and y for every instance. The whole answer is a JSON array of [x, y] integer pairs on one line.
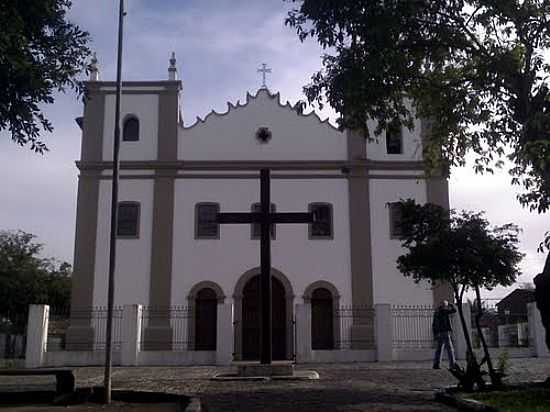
[[206, 316], [322, 320], [251, 319]]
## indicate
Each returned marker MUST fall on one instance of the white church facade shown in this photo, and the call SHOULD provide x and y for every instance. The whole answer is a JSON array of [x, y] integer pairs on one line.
[[175, 178]]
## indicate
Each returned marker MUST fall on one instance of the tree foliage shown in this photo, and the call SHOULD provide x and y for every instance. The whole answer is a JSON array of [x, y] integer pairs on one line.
[[41, 52], [463, 250], [459, 248], [477, 68], [27, 278]]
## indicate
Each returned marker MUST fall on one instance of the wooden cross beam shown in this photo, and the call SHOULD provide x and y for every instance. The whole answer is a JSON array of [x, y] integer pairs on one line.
[[266, 219]]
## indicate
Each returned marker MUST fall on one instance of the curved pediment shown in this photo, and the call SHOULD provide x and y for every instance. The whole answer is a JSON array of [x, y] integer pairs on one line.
[[262, 128], [276, 97]]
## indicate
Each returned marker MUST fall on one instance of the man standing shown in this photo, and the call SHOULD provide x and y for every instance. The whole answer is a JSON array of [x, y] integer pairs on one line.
[[442, 329]]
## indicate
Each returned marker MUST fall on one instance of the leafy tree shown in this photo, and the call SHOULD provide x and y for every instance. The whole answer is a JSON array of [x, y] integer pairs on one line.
[[476, 67], [40, 52], [463, 250], [26, 278]]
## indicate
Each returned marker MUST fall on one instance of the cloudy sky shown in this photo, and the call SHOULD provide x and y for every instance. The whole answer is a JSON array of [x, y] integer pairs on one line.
[[219, 45]]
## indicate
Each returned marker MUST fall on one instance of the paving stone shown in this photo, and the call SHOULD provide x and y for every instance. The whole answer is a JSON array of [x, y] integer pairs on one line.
[[378, 386]]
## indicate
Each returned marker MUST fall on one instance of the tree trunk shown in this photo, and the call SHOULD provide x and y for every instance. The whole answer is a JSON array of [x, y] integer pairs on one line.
[[495, 378], [469, 347], [542, 291], [472, 375]]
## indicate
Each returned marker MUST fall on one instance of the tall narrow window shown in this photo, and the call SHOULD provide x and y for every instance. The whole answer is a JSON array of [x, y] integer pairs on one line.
[[321, 228], [130, 131], [128, 219], [394, 138], [206, 226], [256, 227], [396, 231]]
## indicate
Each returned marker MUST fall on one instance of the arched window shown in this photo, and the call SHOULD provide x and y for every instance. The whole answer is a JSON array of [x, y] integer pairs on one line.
[[206, 317], [130, 131], [322, 320]]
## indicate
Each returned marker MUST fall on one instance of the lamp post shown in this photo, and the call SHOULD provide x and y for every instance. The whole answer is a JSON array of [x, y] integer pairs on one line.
[[114, 213]]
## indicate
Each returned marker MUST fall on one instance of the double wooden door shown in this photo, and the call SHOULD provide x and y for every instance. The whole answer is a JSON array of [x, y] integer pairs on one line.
[[251, 320]]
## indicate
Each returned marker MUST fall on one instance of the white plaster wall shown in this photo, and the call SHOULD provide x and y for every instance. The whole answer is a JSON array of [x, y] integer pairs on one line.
[[232, 136], [223, 261], [412, 145], [145, 108], [133, 255], [390, 286]]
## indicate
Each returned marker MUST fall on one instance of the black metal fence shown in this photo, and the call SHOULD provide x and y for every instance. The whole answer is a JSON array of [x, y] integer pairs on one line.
[[96, 318], [354, 327], [412, 327], [13, 335], [169, 328], [500, 328]]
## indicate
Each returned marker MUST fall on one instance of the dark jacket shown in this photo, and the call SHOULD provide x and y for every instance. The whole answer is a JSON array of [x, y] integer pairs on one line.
[[441, 322]]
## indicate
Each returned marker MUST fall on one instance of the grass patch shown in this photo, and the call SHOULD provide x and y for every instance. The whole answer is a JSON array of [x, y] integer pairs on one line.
[[527, 400]]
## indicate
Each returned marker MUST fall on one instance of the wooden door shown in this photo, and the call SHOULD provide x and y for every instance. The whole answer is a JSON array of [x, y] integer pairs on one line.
[[251, 320], [322, 320], [206, 319]]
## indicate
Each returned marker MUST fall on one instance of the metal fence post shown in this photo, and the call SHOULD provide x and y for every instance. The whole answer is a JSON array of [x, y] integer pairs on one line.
[[37, 335]]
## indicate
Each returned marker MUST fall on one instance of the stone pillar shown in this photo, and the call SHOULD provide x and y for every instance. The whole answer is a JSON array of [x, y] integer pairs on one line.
[[536, 332], [131, 334], [303, 332], [224, 334], [158, 333], [383, 332], [458, 335], [37, 335]]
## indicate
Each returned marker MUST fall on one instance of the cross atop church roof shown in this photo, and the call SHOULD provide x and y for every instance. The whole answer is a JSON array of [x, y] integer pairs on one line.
[[264, 70]]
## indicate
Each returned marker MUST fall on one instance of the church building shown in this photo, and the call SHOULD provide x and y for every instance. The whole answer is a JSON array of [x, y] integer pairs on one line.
[[176, 175]]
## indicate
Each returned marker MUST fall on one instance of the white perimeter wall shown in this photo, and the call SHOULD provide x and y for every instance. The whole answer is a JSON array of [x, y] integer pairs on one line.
[[223, 261], [145, 108], [390, 286], [133, 255]]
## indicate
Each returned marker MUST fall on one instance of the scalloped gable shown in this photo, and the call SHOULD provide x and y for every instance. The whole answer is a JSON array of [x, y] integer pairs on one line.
[[232, 135]]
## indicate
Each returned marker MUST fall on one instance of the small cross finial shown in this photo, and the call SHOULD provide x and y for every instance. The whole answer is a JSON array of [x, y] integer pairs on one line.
[[264, 70], [94, 68], [172, 69], [173, 60]]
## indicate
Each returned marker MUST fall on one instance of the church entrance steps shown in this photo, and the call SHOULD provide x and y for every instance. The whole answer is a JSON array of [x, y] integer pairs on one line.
[[277, 370]]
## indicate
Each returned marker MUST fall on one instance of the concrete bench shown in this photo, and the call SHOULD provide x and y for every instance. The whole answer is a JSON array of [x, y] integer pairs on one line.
[[65, 380]]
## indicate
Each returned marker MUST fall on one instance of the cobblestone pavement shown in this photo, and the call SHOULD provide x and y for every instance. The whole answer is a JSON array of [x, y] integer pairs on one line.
[[403, 386]]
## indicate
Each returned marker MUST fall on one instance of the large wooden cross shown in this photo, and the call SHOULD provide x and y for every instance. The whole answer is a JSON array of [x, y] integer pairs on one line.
[[266, 219]]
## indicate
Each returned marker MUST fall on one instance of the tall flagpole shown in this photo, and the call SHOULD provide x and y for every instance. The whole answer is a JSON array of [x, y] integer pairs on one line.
[[114, 213]]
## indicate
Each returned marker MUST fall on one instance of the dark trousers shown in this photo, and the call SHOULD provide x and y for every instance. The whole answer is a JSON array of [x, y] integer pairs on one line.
[[444, 339]]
